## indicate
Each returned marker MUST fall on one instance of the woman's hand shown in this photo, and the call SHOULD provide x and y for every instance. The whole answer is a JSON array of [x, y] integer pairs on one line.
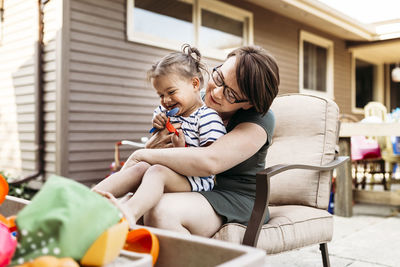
[[164, 139], [161, 139]]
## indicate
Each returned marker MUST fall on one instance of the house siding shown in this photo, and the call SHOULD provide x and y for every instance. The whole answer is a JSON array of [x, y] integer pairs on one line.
[[280, 35], [50, 30], [109, 98], [17, 87]]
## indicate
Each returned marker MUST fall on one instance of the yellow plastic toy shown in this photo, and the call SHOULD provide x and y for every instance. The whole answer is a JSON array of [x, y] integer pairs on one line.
[[107, 247]]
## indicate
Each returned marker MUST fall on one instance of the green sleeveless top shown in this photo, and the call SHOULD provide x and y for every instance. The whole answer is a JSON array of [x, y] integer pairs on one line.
[[234, 193]]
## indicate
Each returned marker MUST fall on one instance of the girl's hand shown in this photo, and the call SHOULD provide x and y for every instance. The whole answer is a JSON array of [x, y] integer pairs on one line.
[[178, 141], [159, 121], [162, 138]]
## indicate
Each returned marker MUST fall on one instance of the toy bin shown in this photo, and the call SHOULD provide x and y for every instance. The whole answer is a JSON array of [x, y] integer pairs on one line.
[[175, 249]]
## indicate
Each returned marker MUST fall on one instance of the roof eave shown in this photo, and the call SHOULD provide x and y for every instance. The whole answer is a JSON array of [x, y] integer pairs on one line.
[[322, 17]]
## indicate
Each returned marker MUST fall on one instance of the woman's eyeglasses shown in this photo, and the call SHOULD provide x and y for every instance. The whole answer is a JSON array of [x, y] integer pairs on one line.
[[228, 92]]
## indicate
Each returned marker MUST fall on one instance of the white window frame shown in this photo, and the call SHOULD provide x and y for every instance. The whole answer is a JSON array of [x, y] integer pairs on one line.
[[323, 42], [217, 7]]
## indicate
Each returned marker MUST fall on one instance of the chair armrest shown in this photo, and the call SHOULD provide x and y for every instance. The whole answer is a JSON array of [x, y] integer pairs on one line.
[[273, 170], [263, 190]]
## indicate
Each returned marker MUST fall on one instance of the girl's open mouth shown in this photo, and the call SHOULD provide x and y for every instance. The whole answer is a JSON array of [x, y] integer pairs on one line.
[[172, 106]]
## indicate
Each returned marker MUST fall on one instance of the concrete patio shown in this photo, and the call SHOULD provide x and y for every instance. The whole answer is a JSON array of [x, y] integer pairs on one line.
[[371, 237]]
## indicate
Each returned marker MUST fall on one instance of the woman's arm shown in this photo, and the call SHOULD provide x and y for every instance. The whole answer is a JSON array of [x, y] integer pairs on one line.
[[229, 150]]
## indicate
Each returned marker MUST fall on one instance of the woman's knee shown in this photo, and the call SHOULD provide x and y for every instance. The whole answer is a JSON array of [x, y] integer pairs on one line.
[[159, 215]]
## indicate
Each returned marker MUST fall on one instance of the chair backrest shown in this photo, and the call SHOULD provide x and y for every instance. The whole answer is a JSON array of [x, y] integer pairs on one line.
[[376, 109], [306, 132]]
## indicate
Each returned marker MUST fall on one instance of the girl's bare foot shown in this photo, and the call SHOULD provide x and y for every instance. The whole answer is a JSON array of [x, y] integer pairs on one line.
[[125, 198], [124, 209]]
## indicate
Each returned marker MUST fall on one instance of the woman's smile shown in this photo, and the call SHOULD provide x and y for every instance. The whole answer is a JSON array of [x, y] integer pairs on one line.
[[212, 98]]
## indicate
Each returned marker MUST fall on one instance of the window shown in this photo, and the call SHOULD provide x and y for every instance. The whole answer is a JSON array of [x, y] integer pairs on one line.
[[315, 65], [364, 83], [367, 82], [214, 27]]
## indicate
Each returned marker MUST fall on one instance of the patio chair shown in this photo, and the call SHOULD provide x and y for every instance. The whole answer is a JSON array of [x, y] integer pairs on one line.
[[295, 186], [375, 109]]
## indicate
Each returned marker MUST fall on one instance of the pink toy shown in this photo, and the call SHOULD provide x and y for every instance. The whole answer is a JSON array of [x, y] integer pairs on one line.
[[363, 148], [7, 245]]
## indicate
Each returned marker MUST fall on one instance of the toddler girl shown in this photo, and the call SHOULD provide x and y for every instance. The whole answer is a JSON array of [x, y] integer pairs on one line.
[[177, 78]]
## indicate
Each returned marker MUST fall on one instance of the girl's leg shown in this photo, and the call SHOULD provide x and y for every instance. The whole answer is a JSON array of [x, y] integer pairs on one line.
[[188, 213], [157, 180], [123, 181]]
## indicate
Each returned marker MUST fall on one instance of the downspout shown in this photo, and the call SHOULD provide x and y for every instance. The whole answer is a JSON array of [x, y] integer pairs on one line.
[[39, 116], [1, 19]]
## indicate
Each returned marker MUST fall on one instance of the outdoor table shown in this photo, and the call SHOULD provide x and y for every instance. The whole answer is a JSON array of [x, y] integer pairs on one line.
[[344, 180]]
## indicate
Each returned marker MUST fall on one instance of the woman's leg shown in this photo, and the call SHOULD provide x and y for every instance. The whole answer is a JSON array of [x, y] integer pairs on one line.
[[188, 213], [123, 181], [157, 180]]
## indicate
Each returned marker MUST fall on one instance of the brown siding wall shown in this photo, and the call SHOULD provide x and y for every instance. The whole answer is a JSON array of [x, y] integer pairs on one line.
[[51, 11], [110, 99], [280, 35], [17, 87]]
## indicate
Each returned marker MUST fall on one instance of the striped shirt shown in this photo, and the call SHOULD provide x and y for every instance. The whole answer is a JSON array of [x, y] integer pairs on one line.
[[203, 126]]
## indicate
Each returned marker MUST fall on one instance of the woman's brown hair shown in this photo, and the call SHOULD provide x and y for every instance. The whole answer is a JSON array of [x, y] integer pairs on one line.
[[257, 75]]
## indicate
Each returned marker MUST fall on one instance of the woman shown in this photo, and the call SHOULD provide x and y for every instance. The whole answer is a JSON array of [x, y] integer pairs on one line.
[[241, 91]]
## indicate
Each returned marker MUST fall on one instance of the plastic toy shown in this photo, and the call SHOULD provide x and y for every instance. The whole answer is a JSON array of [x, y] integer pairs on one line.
[[363, 148], [143, 241], [117, 164], [3, 188], [8, 245], [9, 222], [168, 124], [107, 247]]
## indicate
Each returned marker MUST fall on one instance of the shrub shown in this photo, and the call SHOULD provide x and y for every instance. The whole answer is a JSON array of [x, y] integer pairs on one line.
[[20, 190]]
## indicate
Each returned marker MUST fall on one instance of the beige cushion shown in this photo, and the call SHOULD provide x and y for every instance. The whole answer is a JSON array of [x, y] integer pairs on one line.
[[290, 227], [306, 132]]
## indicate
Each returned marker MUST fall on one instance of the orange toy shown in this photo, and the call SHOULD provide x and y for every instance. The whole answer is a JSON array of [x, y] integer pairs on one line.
[[143, 241], [3, 188], [10, 221]]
